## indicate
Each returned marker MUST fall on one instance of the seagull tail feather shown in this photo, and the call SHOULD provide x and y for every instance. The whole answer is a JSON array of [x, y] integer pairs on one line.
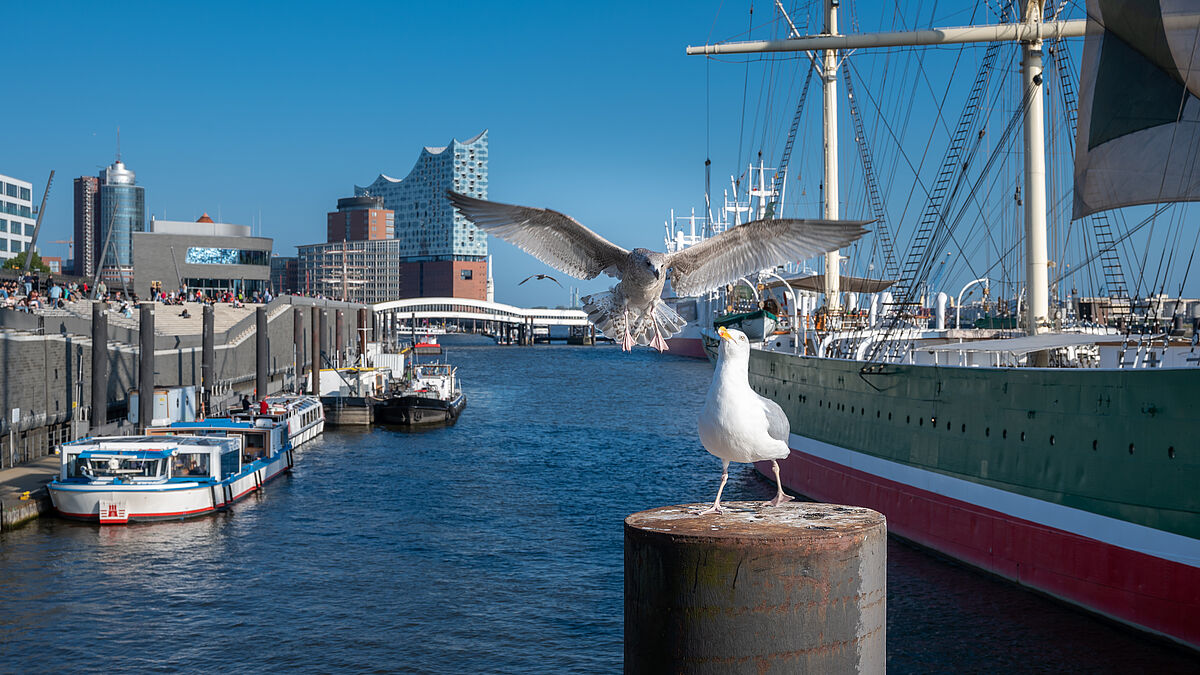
[[609, 314]]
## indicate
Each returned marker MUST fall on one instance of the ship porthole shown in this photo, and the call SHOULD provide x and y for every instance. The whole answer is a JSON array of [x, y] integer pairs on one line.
[[1131, 448], [987, 431], [878, 413], [1022, 435], [1094, 444], [948, 426], [1004, 433], [1051, 440], [889, 417], [908, 419], [1171, 452], [964, 428]]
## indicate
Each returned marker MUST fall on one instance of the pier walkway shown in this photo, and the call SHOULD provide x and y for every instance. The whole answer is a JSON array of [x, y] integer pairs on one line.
[[28, 477]]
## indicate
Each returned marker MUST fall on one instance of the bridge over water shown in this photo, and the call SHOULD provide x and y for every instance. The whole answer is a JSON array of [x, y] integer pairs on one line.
[[397, 316]]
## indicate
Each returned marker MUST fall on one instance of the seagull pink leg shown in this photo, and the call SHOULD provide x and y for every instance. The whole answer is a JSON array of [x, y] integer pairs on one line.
[[716, 507], [627, 341], [780, 497], [658, 342]]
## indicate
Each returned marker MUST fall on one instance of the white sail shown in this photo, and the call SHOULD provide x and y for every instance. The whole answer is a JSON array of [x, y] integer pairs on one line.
[[1138, 139]]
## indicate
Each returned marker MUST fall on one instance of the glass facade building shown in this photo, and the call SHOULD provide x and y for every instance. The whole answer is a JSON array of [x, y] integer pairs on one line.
[[367, 270], [16, 216], [123, 209], [426, 226]]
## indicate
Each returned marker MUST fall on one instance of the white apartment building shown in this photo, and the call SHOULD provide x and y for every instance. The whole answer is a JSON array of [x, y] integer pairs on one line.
[[16, 216]]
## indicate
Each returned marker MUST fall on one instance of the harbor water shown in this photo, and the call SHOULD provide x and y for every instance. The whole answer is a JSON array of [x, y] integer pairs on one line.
[[492, 546]]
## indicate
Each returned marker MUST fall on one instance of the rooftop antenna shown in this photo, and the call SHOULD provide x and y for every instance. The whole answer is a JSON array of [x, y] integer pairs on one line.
[[118, 143]]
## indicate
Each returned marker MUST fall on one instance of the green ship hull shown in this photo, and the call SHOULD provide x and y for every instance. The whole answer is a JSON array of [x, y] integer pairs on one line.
[[1081, 483]]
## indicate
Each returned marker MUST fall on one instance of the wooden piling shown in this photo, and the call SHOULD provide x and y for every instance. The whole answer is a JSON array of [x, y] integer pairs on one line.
[[799, 588], [99, 411], [146, 365]]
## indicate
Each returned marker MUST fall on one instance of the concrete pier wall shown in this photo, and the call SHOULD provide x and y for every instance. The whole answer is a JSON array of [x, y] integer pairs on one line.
[[48, 376]]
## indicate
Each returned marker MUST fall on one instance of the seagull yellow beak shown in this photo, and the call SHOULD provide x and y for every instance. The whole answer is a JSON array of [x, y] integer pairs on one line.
[[724, 333]]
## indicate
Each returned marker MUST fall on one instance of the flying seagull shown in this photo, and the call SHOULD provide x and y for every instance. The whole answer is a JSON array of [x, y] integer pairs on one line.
[[539, 277], [738, 425], [632, 311]]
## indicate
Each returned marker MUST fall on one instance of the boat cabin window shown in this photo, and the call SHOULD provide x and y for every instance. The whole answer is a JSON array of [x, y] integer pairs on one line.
[[114, 467], [255, 446], [229, 463], [190, 464]]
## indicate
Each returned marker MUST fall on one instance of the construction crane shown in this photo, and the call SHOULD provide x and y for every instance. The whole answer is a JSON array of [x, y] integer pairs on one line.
[[70, 247]]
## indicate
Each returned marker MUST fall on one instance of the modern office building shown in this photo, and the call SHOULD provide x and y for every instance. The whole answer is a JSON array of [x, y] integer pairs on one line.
[[85, 246], [441, 252], [359, 218], [16, 216], [284, 278], [205, 255], [367, 270], [122, 208]]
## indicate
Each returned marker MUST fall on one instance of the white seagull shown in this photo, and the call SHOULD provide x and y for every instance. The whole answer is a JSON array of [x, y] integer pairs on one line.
[[738, 425], [632, 311]]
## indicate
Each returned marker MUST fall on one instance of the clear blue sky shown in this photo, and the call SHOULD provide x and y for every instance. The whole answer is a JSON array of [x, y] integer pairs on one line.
[[236, 110]]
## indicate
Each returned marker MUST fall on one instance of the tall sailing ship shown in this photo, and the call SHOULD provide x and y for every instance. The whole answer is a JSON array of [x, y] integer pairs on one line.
[[1056, 452]]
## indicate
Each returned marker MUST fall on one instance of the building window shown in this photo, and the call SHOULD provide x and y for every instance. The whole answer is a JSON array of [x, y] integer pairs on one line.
[[28, 230], [465, 274], [198, 255], [3, 244], [3, 225]]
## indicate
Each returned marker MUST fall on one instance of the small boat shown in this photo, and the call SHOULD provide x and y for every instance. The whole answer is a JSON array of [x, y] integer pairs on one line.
[[756, 324], [428, 346], [303, 415], [164, 475], [347, 393], [429, 393]]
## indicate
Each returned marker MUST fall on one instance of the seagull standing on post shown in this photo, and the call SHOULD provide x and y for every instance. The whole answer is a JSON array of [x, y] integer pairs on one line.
[[632, 311], [738, 425]]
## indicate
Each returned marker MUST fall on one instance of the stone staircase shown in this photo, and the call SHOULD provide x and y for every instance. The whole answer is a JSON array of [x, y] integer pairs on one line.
[[167, 319]]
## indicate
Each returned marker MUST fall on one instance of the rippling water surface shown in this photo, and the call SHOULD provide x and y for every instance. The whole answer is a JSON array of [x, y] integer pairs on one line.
[[493, 546]]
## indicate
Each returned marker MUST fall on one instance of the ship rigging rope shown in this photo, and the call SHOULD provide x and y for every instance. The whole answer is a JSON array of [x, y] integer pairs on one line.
[[943, 231], [947, 231]]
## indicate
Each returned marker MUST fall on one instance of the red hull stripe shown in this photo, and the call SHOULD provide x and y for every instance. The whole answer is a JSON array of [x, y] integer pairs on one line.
[[168, 514], [1119, 533], [1151, 593], [693, 347]]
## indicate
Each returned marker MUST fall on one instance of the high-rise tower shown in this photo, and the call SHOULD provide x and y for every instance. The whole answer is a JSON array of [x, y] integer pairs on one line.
[[87, 201], [123, 209]]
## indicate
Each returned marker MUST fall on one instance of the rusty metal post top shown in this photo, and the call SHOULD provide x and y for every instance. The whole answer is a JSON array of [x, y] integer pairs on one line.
[[753, 520]]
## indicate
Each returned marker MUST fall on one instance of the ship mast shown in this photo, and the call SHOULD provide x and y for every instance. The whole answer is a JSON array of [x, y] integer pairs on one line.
[[830, 194], [1030, 32], [1036, 276]]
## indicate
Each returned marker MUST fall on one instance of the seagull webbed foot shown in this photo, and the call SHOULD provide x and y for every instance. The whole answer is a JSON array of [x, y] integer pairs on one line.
[[715, 508], [780, 498]]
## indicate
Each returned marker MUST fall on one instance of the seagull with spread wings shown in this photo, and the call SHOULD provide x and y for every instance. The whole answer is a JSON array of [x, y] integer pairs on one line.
[[632, 312], [539, 277]]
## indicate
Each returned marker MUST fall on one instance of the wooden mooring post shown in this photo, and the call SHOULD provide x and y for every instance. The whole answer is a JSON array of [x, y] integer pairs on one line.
[[799, 588]]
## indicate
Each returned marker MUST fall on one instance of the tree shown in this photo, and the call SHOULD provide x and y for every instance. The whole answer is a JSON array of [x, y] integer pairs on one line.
[[17, 262]]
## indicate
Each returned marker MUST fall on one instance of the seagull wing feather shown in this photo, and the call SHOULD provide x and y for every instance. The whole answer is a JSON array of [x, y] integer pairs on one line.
[[754, 246], [554, 238], [777, 422]]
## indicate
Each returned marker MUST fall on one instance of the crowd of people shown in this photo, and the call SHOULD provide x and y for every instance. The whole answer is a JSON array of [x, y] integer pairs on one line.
[[30, 292]]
